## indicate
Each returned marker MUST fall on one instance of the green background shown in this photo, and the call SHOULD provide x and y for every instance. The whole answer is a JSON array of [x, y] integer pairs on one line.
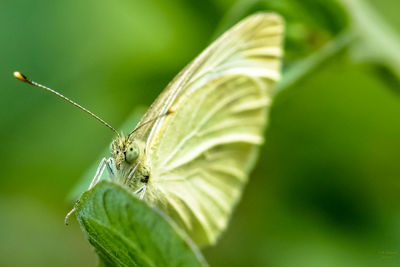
[[326, 190]]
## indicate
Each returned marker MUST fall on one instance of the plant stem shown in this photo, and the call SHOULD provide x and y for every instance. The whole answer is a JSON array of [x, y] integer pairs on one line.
[[306, 66]]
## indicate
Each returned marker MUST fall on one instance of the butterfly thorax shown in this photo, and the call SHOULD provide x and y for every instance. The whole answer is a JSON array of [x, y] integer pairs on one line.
[[129, 158]]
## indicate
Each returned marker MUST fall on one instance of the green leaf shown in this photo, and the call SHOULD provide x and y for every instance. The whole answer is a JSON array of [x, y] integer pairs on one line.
[[127, 232]]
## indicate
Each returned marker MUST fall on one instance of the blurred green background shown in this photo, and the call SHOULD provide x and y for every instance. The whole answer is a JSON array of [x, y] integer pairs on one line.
[[326, 189]]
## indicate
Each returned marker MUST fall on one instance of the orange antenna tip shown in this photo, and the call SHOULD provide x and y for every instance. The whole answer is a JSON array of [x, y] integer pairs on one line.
[[20, 76]]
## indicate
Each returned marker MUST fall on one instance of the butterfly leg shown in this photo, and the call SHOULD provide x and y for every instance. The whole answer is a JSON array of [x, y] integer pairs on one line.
[[111, 168], [141, 191], [99, 173], [132, 171], [70, 213], [95, 180]]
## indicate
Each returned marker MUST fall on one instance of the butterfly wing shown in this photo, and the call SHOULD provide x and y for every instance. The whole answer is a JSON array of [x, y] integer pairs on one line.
[[200, 155]]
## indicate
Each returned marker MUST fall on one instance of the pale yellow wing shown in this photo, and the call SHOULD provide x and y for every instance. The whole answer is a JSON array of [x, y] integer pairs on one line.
[[200, 155]]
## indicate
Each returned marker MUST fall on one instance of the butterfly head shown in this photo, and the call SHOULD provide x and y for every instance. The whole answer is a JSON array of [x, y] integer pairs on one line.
[[124, 150]]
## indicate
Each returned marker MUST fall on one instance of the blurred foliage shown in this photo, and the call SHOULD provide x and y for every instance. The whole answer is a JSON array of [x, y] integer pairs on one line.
[[374, 33], [325, 191], [309, 24]]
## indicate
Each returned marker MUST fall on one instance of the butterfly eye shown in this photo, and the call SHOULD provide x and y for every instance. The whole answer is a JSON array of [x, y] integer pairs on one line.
[[132, 152]]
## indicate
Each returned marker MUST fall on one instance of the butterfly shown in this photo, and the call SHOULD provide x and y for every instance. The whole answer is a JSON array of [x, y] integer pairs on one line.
[[191, 153]]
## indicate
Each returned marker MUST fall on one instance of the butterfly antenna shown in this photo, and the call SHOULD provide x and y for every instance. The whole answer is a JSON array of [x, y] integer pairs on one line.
[[170, 111], [23, 78]]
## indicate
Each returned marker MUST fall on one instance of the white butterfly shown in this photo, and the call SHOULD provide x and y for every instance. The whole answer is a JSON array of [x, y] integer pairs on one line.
[[191, 153], [193, 162]]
